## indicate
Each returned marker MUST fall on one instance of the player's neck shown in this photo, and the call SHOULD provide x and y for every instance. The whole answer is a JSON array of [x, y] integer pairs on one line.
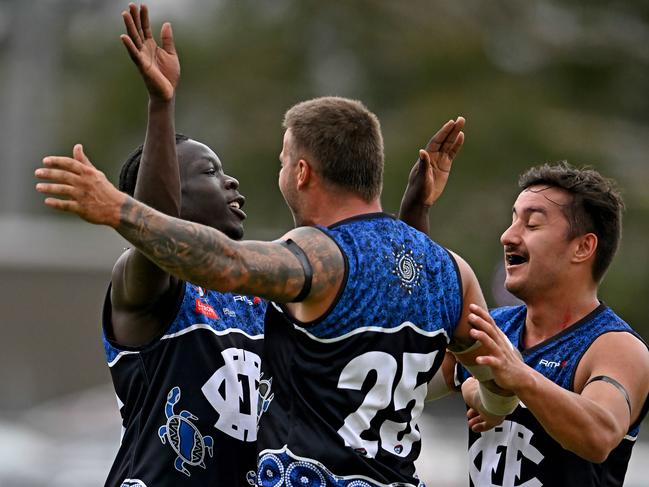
[[552, 313], [329, 209]]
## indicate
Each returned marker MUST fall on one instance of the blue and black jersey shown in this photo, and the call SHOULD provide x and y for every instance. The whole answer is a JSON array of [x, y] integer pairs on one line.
[[519, 451], [189, 399], [349, 388]]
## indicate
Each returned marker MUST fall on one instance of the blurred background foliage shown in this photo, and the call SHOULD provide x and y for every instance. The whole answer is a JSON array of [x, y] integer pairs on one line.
[[536, 80]]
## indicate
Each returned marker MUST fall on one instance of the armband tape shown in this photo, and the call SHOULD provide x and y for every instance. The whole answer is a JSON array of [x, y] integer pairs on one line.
[[616, 384], [497, 404], [297, 251]]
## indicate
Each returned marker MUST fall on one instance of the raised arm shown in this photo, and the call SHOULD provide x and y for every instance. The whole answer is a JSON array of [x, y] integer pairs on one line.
[[591, 421], [429, 175], [194, 252], [137, 283]]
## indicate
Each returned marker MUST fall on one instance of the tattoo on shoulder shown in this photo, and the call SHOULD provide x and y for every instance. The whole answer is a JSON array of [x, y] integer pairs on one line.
[[325, 257]]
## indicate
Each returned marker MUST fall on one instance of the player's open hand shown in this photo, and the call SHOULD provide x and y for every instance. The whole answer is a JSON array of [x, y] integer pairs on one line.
[[78, 187], [159, 66], [478, 420], [429, 175], [505, 361]]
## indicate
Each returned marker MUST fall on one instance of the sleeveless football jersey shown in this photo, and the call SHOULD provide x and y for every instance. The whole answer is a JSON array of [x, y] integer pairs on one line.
[[188, 400], [519, 451], [349, 387]]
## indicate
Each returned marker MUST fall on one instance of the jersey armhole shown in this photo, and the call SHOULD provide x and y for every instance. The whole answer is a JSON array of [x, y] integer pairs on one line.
[[107, 323], [460, 284], [645, 407]]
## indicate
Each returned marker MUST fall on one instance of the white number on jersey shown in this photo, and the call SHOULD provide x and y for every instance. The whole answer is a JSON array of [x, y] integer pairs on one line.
[[380, 396]]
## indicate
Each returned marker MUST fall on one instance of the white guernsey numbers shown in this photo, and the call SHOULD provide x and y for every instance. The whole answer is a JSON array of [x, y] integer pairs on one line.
[[232, 392], [505, 445], [380, 396]]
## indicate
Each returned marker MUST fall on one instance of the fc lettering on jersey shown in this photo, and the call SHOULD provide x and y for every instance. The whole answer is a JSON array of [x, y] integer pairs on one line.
[[501, 450], [232, 392]]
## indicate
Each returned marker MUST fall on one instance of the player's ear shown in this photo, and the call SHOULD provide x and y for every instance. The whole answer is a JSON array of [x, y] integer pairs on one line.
[[586, 247], [304, 173]]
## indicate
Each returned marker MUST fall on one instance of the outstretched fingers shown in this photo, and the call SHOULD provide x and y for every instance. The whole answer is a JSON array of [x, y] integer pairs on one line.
[[57, 176], [131, 28], [440, 136], [452, 136], [57, 189], [64, 163], [64, 205], [131, 48], [457, 145], [144, 22], [135, 15]]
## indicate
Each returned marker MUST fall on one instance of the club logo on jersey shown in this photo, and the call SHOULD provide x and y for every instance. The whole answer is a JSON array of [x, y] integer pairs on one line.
[[183, 436], [265, 396], [232, 392], [206, 310], [502, 449], [406, 267]]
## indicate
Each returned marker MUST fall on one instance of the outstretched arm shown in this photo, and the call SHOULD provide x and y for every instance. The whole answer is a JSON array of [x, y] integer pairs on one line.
[[136, 281], [592, 420], [194, 252], [429, 175]]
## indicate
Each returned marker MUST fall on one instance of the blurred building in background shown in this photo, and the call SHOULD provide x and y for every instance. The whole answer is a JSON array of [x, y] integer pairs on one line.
[[537, 81]]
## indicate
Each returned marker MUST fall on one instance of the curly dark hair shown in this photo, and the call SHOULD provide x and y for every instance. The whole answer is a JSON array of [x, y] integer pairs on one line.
[[130, 168], [596, 206]]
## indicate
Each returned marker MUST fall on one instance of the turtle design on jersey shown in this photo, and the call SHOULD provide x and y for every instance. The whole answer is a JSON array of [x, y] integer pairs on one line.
[[183, 436]]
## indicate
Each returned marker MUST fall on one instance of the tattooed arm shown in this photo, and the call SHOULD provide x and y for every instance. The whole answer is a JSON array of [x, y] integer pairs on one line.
[[194, 252]]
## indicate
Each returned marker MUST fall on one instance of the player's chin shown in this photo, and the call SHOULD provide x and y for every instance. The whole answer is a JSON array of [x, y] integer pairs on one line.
[[235, 231]]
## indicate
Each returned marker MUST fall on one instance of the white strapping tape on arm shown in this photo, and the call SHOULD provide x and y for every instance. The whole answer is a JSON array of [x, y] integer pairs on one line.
[[496, 404], [437, 387], [481, 372]]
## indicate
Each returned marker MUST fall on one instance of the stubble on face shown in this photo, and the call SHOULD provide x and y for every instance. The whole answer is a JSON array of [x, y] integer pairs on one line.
[[287, 177]]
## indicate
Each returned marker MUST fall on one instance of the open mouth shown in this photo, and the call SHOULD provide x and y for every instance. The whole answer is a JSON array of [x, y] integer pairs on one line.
[[515, 259], [235, 206]]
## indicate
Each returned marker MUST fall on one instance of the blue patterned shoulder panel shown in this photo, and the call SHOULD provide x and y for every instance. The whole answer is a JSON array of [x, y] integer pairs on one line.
[[200, 308], [393, 271]]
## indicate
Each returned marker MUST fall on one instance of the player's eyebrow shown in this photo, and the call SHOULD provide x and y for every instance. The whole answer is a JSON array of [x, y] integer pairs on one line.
[[531, 209]]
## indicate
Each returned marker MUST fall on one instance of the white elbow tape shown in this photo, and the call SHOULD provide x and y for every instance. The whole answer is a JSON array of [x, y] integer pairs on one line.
[[437, 387], [482, 373], [496, 404]]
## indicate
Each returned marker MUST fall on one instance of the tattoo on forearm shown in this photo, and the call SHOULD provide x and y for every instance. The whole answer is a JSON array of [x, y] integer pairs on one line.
[[205, 256]]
